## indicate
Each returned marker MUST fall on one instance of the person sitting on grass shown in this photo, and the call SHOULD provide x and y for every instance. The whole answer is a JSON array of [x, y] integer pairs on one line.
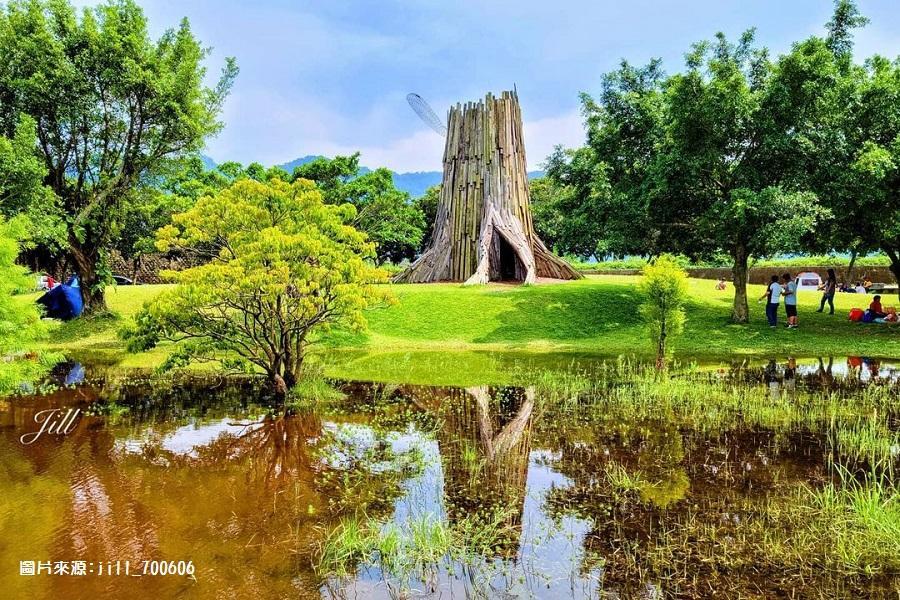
[[790, 300], [860, 289], [876, 309], [721, 285], [773, 299]]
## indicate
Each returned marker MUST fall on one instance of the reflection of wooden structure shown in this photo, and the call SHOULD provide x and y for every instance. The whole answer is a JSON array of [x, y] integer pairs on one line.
[[484, 441], [483, 228]]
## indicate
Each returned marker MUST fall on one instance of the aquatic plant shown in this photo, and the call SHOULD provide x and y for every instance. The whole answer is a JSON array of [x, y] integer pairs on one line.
[[413, 552]]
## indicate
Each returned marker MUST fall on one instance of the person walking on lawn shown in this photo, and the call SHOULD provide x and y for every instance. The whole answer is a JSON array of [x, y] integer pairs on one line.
[[773, 299]]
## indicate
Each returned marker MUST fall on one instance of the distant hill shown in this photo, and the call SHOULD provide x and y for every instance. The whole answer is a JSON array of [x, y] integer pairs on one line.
[[297, 162], [415, 183]]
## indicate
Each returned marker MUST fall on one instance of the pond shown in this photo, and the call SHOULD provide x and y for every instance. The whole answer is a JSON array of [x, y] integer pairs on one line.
[[602, 481]]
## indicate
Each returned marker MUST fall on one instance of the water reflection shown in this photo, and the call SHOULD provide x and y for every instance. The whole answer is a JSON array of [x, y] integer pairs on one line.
[[596, 497]]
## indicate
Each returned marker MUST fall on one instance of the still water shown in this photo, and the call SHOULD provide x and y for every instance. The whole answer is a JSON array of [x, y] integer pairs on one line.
[[587, 490]]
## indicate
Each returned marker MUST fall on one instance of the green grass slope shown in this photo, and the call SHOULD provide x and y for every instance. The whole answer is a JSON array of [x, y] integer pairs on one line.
[[600, 314], [447, 326]]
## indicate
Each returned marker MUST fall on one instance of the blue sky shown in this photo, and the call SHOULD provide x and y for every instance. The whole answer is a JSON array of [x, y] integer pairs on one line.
[[327, 77]]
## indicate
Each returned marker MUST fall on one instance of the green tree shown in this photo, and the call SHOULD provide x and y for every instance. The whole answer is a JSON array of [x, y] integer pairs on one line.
[[387, 215], [664, 285], [174, 190], [111, 106], [329, 174], [873, 212], [281, 267], [704, 162], [20, 322], [427, 204], [21, 189], [850, 140], [730, 152], [613, 179], [576, 211]]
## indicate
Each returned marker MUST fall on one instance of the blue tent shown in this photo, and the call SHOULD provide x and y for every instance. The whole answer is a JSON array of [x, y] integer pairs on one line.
[[62, 302]]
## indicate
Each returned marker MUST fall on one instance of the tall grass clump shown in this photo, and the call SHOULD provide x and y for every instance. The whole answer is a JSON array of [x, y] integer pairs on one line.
[[414, 552], [851, 525]]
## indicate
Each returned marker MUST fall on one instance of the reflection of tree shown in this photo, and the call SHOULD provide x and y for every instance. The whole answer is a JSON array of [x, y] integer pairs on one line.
[[661, 498], [97, 511], [646, 456], [276, 449], [249, 507]]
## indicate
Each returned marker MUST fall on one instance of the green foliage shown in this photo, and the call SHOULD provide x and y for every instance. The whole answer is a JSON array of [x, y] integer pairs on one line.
[[20, 323], [846, 18], [22, 192], [112, 107], [570, 204], [387, 215], [664, 285], [428, 205], [282, 266]]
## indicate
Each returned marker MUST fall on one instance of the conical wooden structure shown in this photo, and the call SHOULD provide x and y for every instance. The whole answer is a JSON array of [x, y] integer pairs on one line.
[[483, 229]]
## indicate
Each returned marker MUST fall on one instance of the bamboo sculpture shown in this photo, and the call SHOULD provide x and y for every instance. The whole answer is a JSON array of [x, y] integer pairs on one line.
[[483, 229]]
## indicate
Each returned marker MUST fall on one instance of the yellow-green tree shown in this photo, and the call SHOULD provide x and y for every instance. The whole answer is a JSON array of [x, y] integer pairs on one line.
[[664, 285], [280, 265], [20, 320]]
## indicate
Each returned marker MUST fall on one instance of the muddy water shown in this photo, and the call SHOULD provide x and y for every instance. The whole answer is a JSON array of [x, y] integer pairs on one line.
[[208, 473]]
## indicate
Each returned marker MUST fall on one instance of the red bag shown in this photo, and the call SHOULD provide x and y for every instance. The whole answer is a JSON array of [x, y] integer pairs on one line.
[[856, 314]]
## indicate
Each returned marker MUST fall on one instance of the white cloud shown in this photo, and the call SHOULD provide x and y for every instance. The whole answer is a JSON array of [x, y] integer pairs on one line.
[[542, 135], [268, 127], [424, 149]]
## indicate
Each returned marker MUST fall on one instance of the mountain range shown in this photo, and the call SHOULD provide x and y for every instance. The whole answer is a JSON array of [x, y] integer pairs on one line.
[[414, 182]]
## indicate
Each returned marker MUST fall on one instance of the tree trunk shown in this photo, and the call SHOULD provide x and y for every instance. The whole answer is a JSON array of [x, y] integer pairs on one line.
[[85, 258], [280, 387], [740, 313], [894, 255], [849, 277], [483, 229], [661, 349]]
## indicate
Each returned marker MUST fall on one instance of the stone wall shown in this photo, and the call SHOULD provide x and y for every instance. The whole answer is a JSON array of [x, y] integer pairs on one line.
[[763, 275], [148, 268]]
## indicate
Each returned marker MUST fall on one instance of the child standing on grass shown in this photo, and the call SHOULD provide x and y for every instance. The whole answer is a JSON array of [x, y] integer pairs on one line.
[[790, 300], [773, 299]]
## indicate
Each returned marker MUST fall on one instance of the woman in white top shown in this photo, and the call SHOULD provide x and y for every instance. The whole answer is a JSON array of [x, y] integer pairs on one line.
[[773, 299]]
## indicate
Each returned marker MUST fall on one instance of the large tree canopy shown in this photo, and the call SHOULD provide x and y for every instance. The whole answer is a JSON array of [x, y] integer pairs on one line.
[[855, 162], [702, 163], [111, 107], [281, 265]]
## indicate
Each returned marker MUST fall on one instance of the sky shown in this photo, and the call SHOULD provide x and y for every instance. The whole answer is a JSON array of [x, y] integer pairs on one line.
[[331, 76]]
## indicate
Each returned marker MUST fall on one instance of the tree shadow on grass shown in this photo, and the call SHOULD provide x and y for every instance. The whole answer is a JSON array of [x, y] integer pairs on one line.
[[566, 312]]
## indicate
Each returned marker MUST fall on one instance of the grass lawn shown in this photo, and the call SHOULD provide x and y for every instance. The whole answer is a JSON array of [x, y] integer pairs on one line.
[[556, 322], [599, 315]]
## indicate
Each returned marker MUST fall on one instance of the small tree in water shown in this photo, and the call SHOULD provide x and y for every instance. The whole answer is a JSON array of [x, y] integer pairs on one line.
[[664, 285], [280, 266]]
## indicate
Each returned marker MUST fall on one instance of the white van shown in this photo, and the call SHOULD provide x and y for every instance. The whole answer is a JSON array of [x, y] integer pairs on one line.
[[808, 281]]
